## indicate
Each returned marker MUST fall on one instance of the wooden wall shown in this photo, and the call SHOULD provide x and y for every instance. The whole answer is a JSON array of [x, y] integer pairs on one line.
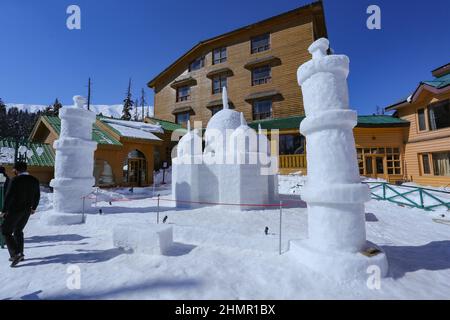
[[424, 141]]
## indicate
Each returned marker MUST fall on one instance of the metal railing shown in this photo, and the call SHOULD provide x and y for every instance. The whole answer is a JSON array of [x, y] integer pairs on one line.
[[292, 161], [417, 197]]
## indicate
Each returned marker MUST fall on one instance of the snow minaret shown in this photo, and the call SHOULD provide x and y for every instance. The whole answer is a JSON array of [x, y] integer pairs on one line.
[[337, 245], [74, 161]]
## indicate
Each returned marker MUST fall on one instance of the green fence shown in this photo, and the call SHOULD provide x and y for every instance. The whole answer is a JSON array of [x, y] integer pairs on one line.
[[417, 197]]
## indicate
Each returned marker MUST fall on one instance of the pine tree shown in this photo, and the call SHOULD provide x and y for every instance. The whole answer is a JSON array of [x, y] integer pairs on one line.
[[136, 114], [53, 110], [56, 106], [127, 104], [143, 105]]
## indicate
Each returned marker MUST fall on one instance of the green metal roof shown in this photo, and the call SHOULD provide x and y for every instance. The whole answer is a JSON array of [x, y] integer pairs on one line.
[[167, 125], [46, 159], [98, 135], [439, 82], [363, 121]]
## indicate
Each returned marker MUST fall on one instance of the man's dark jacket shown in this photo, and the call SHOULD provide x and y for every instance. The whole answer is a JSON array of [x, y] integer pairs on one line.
[[23, 194]]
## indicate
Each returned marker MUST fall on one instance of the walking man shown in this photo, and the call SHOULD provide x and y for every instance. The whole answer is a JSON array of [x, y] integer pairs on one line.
[[21, 200]]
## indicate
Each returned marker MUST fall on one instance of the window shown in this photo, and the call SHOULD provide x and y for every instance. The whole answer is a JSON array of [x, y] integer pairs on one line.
[[182, 118], [426, 163], [218, 83], [421, 116], [197, 64], [261, 75], [292, 144], [219, 55], [183, 93], [215, 109], [260, 43], [439, 115], [393, 162], [359, 153], [441, 163], [262, 109]]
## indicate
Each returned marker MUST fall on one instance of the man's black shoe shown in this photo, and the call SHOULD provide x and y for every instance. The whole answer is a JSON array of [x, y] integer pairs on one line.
[[23, 257], [16, 260]]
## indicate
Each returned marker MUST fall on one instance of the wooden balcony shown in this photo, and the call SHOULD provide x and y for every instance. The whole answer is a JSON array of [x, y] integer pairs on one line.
[[292, 163]]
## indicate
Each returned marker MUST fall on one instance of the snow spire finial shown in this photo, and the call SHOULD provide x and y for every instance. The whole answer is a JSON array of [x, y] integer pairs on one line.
[[259, 128], [225, 98], [188, 126], [319, 48], [243, 122]]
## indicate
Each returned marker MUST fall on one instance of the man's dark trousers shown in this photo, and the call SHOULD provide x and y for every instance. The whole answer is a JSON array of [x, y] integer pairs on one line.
[[12, 230]]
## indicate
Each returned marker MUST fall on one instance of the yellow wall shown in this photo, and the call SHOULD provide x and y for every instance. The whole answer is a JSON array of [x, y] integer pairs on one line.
[[424, 141]]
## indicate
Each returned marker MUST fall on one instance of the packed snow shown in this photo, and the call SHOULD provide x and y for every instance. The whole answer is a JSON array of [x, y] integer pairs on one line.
[[218, 253]]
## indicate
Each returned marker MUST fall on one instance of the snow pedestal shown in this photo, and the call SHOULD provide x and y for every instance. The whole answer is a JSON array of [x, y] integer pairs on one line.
[[74, 164], [337, 245], [149, 239]]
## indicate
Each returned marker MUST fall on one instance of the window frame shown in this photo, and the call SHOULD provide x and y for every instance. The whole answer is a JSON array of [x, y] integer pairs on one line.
[[215, 109], [430, 107], [183, 98], [422, 166], [259, 117], [182, 113], [260, 48], [422, 111], [202, 63], [222, 78], [260, 81], [433, 168], [222, 58]]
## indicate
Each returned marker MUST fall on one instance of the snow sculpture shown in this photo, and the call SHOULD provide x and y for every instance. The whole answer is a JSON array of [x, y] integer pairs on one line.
[[230, 169], [74, 161], [337, 245]]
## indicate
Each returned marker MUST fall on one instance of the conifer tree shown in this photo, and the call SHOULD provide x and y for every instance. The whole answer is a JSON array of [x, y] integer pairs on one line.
[[127, 104]]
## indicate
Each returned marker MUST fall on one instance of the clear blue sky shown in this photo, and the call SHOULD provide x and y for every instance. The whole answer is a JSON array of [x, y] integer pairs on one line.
[[41, 59]]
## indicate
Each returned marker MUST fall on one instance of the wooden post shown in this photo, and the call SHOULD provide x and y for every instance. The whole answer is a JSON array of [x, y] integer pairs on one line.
[[157, 212], [281, 220]]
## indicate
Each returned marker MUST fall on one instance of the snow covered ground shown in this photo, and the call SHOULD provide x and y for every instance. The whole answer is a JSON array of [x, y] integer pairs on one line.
[[220, 253]]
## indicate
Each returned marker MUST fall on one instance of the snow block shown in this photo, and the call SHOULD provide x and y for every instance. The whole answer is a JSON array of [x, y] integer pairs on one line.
[[149, 239], [62, 219]]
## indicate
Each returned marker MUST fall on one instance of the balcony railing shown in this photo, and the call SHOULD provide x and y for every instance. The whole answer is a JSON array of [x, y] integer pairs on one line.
[[292, 161]]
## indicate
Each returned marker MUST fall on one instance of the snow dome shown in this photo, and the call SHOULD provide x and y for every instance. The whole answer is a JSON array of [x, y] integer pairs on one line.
[[186, 145], [216, 130], [243, 139]]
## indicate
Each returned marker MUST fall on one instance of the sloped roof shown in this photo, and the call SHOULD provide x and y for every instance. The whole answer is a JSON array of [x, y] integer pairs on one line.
[[440, 83], [293, 122], [98, 135], [46, 159]]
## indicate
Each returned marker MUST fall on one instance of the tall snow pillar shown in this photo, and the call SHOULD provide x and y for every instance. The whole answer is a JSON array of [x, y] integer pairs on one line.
[[337, 245], [74, 161]]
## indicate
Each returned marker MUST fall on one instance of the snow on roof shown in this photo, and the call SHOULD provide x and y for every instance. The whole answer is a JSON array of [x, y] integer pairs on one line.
[[131, 132], [147, 127]]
